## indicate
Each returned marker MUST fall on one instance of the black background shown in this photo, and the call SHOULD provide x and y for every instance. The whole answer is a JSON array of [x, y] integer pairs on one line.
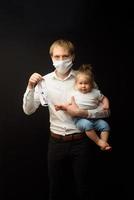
[[103, 35]]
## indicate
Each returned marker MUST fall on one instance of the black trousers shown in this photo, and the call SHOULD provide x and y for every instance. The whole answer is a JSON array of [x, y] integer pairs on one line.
[[69, 161]]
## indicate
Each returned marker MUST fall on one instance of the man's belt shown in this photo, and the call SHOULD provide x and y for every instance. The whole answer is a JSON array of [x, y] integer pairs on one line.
[[70, 137]]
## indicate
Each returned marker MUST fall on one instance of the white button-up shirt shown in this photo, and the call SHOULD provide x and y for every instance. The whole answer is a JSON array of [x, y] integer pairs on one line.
[[50, 91]]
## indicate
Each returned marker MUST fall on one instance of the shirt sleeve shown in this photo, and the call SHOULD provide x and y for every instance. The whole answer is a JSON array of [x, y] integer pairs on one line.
[[31, 101]]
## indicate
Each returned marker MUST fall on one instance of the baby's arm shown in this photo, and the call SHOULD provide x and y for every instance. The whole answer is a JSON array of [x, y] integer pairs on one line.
[[105, 103]]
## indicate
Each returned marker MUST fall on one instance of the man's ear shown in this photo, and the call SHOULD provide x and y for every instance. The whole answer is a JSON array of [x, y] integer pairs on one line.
[[73, 57]]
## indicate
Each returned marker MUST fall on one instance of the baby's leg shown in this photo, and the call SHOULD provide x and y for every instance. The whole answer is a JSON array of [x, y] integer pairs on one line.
[[94, 137], [87, 126], [104, 136], [103, 127]]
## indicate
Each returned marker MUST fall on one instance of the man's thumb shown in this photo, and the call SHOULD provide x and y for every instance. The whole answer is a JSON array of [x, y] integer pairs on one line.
[[73, 100]]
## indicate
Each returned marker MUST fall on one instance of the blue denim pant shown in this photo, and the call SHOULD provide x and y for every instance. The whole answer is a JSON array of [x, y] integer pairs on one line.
[[90, 124]]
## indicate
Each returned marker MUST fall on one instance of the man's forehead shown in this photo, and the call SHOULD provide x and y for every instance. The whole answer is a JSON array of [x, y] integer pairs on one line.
[[59, 49]]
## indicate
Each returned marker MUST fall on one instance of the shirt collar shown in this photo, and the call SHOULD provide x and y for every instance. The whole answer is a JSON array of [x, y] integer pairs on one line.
[[72, 73]]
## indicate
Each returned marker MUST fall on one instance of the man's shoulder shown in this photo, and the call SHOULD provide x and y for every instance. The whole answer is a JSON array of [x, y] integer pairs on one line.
[[74, 72], [49, 75]]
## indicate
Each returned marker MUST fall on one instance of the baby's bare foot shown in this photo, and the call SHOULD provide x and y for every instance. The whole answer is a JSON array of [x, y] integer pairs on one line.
[[102, 144], [107, 148]]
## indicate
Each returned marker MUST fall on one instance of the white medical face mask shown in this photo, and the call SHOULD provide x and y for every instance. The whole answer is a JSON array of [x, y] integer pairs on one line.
[[63, 66]]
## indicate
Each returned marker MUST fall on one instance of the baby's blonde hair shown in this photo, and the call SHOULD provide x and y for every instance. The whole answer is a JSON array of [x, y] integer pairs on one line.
[[86, 69]]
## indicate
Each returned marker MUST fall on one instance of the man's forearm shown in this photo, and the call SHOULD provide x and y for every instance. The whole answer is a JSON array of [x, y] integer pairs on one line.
[[92, 113], [73, 110], [99, 113], [82, 113], [29, 103]]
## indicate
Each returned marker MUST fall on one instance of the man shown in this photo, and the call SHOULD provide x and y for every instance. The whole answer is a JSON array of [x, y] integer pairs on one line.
[[66, 141]]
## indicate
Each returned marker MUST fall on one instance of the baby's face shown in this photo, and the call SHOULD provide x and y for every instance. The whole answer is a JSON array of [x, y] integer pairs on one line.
[[83, 84]]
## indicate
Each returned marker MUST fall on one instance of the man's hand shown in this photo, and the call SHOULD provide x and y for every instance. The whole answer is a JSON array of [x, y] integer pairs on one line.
[[73, 109], [60, 107], [34, 79]]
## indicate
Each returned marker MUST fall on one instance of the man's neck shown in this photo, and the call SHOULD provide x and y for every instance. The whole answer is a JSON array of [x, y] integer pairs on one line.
[[62, 76]]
